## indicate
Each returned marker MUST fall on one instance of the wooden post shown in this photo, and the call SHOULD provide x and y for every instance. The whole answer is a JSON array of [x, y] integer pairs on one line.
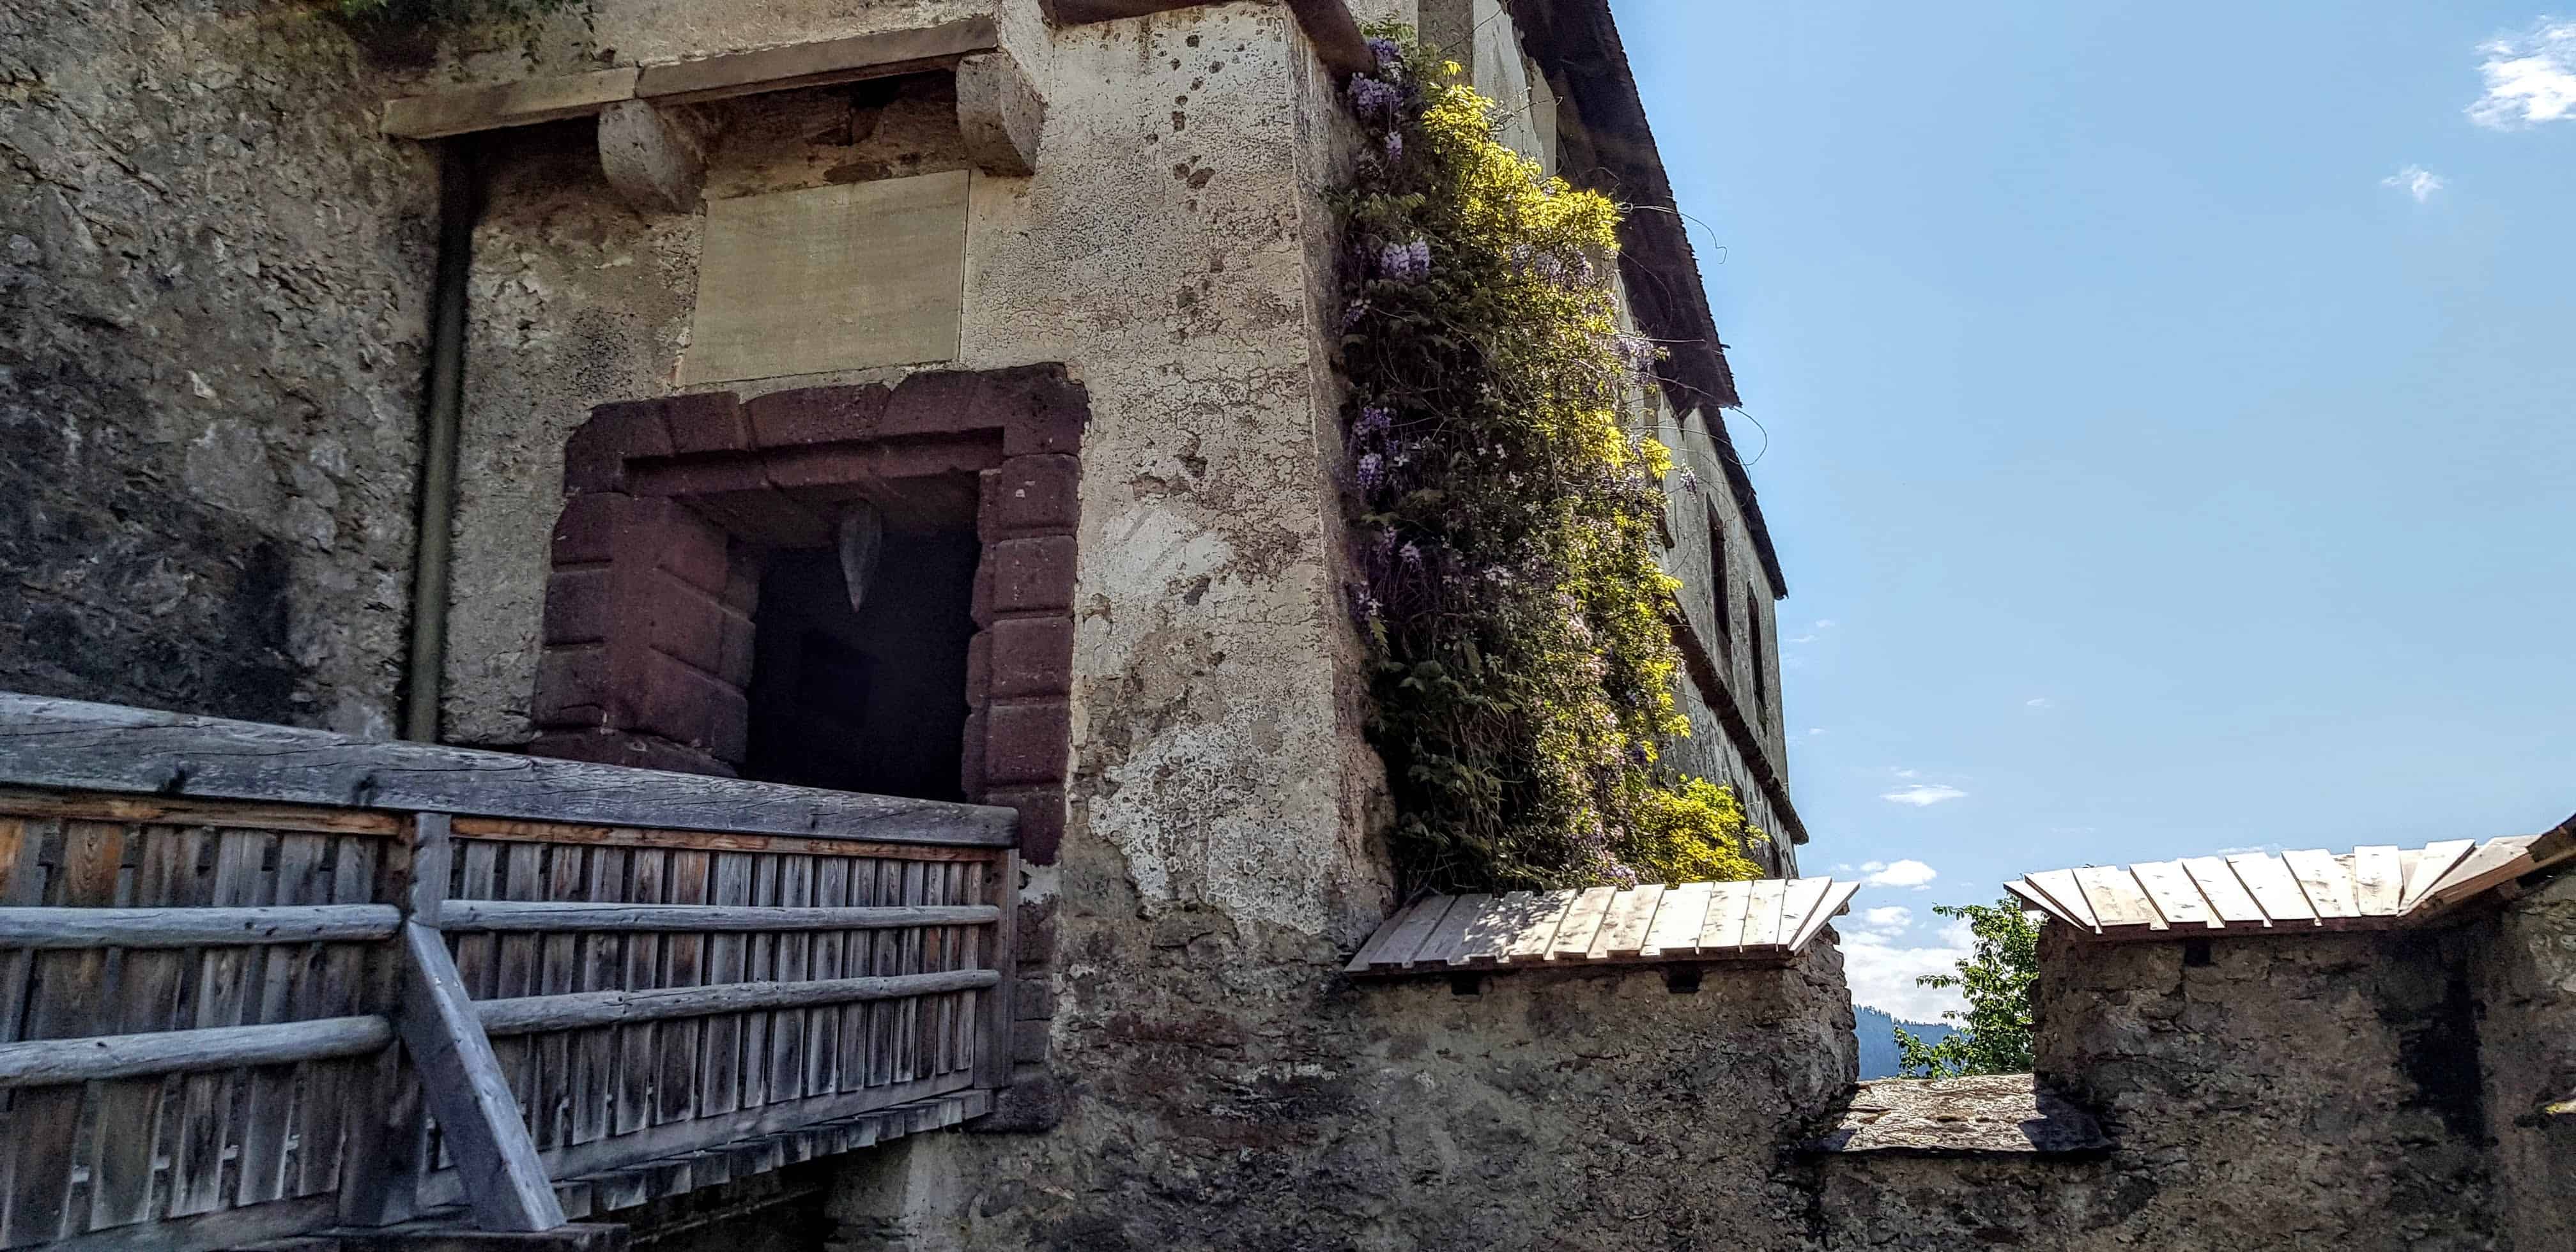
[[993, 1051], [388, 1143]]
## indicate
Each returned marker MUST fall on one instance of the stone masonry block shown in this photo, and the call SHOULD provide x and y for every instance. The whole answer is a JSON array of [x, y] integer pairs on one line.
[[573, 688], [586, 531], [1033, 1104], [1028, 742], [580, 605], [1048, 412], [1041, 827], [596, 455], [1032, 656], [1029, 1041], [816, 415], [1037, 495], [1036, 930], [971, 760], [706, 421], [979, 669], [1032, 575], [1032, 999]]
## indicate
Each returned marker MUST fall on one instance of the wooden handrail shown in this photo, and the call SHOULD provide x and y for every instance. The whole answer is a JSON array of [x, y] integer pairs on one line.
[[197, 927], [555, 917], [580, 1009], [49, 1062], [72, 744]]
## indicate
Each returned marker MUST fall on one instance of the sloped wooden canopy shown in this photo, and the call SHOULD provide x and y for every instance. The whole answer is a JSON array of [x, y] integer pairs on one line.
[[2372, 888], [1764, 920]]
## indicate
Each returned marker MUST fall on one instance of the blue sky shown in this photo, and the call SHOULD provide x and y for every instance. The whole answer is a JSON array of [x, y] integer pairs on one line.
[[2171, 422]]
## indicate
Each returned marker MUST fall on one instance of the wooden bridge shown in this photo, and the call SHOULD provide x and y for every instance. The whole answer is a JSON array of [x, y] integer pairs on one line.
[[608, 985]]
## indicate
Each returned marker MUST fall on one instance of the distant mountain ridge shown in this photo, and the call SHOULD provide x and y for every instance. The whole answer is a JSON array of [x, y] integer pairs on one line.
[[1877, 1031]]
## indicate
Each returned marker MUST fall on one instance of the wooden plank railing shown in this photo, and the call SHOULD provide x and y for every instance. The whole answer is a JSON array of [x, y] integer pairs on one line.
[[211, 933]]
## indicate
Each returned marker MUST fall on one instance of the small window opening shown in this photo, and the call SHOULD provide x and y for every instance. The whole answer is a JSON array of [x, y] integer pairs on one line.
[[2195, 953], [868, 699], [1761, 668], [1717, 578]]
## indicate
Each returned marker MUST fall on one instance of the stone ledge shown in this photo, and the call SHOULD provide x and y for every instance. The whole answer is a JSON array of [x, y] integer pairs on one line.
[[1990, 1114]]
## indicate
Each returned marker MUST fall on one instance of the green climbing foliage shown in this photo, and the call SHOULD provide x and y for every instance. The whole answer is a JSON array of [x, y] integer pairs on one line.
[[1504, 515], [1994, 1035]]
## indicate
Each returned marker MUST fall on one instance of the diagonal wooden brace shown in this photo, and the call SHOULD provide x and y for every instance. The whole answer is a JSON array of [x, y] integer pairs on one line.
[[503, 1180]]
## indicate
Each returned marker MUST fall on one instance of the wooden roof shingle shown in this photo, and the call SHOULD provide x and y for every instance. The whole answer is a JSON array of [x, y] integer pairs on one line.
[[1765, 920]]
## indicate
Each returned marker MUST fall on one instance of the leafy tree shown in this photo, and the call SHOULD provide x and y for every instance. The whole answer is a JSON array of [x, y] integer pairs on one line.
[[1994, 1034]]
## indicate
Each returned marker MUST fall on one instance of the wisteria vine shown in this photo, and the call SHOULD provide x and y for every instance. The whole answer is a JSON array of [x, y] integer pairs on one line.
[[1522, 665]]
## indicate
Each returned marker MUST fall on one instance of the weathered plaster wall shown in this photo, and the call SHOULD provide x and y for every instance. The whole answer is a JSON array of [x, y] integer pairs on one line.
[[2526, 983], [1167, 252], [1294, 1110], [213, 284]]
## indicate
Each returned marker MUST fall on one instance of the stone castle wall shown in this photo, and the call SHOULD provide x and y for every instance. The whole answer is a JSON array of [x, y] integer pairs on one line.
[[214, 282]]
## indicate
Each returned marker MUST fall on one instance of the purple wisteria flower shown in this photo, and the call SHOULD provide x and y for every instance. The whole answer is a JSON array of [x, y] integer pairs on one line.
[[1351, 316], [1406, 262], [1394, 145], [1389, 55], [1690, 480], [1372, 471], [1412, 555], [1373, 422], [1637, 352], [1372, 97]]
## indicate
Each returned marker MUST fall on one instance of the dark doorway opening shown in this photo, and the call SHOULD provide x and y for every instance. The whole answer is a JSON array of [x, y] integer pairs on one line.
[[869, 699]]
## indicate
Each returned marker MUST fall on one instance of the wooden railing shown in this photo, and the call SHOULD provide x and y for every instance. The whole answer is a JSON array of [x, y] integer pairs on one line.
[[212, 933]]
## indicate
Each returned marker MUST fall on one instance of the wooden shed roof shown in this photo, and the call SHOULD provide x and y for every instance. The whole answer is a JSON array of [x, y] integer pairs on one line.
[[1766, 920], [2373, 888]]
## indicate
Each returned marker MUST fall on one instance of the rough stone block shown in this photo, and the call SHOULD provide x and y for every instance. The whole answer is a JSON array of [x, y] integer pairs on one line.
[[979, 669], [1032, 575], [971, 759], [573, 688], [1031, 656], [1033, 999], [1041, 827], [691, 626], [596, 455], [812, 415], [580, 605], [1028, 742], [1036, 930], [1000, 113], [655, 156], [1033, 1104], [586, 531], [1049, 413], [692, 707], [1036, 495], [1029, 1041]]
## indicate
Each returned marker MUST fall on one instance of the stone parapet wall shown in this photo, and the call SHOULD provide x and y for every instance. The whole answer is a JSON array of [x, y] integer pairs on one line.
[[1227, 1089], [2525, 985]]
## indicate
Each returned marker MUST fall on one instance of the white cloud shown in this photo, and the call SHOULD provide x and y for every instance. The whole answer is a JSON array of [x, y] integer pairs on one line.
[[1882, 975], [1889, 917], [1923, 795], [1907, 873], [2531, 77], [2417, 181], [1802, 638], [1824, 623], [2039, 702], [1815, 730], [1905, 773]]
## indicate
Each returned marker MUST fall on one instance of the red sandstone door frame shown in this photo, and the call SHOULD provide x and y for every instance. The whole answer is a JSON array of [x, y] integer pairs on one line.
[[671, 503]]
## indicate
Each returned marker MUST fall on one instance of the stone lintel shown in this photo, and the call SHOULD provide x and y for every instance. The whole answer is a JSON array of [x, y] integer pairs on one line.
[[1992, 1114]]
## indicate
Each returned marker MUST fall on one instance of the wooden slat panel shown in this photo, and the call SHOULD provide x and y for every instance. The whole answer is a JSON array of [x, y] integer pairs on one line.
[[759, 962], [2038, 899], [2060, 885], [1799, 899], [720, 1064], [1678, 920], [2325, 883], [1450, 935], [676, 1091], [885, 958], [2377, 882], [347, 986], [2116, 899], [128, 1137], [1762, 915], [285, 996], [567, 877], [65, 999], [907, 1036], [639, 1066], [1837, 895], [223, 975], [1727, 907], [858, 957], [823, 1026], [2176, 898], [1533, 923], [1583, 920], [2438, 859], [2495, 862], [1395, 943], [1499, 923], [2273, 889], [521, 830], [602, 960], [1623, 921], [2228, 899], [792, 962], [516, 973]]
